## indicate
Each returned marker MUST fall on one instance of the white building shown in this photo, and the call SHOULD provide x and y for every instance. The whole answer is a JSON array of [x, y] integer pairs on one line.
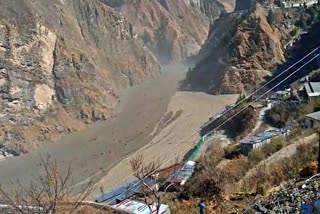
[[313, 120], [289, 4], [282, 95], [136, 207], [312, 90], [259, 140]]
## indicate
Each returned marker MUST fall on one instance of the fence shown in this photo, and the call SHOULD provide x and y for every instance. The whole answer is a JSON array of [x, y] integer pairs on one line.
[[200, 144]]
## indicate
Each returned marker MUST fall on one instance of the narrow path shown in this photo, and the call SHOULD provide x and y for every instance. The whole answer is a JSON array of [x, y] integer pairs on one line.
[[217, 138], [261, 120]]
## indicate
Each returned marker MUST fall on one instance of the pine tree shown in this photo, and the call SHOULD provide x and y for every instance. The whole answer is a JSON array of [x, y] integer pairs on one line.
[[271, 17]]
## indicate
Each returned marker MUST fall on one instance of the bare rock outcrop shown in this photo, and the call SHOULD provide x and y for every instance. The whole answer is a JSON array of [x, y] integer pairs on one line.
[[172, 29], [242, 49], [62, 64]]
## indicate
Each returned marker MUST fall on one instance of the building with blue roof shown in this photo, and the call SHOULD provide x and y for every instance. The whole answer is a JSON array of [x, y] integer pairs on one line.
[[258, 140], [124, 192]]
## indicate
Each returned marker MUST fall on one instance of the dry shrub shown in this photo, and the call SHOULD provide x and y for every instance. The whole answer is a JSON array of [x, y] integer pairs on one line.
[[50, 192], [258, 155], [232, 151], [310, 170], [283, 170], [306, 154], [235, 169], [212, 158], [191, 206], [207, 180], [281, 115], [275, 145], [262, 189], [234, 120]]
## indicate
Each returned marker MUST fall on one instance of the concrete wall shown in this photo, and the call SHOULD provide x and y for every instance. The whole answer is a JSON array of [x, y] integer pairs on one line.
[[246, 148], [311, 123]]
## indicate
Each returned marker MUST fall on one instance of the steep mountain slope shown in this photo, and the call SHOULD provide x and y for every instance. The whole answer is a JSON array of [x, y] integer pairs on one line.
[[242, 49], [172, 29], [62, 63]]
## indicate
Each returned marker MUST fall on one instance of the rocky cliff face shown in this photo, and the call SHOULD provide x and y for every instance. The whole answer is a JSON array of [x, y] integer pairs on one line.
[[62, 64], [172, 29], [242, 49]]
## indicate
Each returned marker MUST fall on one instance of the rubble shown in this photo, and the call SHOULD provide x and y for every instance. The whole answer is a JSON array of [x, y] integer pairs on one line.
[[6, 152], [290, 198]]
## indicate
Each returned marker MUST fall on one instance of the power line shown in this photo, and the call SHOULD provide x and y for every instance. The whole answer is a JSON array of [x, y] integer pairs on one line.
[[264, 93], [138, 182], [274, 78], [247, 98], [237, 104]]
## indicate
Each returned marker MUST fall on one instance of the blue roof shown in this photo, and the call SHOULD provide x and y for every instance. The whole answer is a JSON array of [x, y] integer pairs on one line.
[[122, 193], [183, 173], [265, 135]]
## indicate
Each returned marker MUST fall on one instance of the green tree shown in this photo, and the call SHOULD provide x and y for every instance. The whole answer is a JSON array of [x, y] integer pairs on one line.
[[302, 23], [294, 32], [271, 17]]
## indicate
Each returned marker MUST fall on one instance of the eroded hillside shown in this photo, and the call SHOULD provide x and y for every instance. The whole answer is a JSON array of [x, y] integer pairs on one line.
[[242, 49], [62, 64], [172, 29]]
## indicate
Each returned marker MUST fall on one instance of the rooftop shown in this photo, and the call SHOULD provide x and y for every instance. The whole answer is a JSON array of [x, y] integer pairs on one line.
[[184, 173], [265, 136], [123, 192], [136, 207], [314, 115], [283, 92], [312, 88]]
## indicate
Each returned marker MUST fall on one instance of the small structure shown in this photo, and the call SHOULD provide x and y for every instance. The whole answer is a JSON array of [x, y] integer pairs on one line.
[[136, 207], [283, 95], [259, 140], [167, 172], [291, 4], [182, 175], [312, 90], [120, 194], [313, 120], [255, 142]]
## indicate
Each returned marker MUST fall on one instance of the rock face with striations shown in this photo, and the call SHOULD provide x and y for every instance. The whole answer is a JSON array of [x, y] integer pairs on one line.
[[242, 49], [62, 64], [171, 29]]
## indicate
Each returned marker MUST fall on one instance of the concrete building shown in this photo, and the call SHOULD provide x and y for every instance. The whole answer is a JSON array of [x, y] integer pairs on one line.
[[136, 207], [297, 3], [255, 142], [312, 90], [126, 191], [180, 177], [283, 95], [313, 120]]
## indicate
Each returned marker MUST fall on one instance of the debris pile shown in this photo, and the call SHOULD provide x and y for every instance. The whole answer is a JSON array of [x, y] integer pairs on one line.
[[291, 198]]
